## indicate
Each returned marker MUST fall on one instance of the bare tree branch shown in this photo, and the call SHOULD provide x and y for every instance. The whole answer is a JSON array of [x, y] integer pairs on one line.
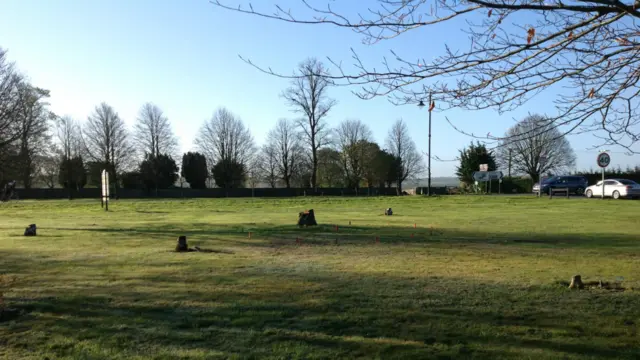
[[588, 52]]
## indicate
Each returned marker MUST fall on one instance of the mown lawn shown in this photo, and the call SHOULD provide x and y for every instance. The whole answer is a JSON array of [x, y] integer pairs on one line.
[[478, 277]]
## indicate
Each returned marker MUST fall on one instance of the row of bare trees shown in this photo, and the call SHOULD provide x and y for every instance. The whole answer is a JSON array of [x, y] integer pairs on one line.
[[305, 151], [38, 145], [349, 158]]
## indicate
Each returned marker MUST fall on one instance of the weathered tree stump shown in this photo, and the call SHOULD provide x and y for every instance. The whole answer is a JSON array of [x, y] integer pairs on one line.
[[388, 212], [30, 230], [182, 244], [307, 218], [576, 282]]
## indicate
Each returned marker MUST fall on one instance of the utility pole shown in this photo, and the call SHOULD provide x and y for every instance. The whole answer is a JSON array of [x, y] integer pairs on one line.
[[421, 105], [429, 161]]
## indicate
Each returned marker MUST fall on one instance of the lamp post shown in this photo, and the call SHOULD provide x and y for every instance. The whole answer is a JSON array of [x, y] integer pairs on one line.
[[421, 105]]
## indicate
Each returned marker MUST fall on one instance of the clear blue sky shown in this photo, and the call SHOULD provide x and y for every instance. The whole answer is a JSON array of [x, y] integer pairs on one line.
[[183, 56]]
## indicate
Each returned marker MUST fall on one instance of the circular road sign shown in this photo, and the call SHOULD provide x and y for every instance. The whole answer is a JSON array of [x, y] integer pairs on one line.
[[603, 160]]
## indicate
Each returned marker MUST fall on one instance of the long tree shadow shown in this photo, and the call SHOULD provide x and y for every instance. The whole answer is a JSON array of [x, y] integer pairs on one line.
[[270, 235], [274, 312]]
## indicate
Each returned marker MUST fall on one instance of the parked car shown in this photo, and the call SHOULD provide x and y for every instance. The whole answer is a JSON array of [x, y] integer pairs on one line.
[[576, 184], [615, 188]]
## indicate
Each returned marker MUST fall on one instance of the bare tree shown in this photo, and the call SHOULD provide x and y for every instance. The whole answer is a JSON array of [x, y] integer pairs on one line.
[[33, 118], [225, 138], [10, 130], [70, 146], [524, 148], [267, 163], [10, 84], [400, 144], [49, 168], [254, 175], [515, 50], [153, 133], [106, 140], [350, 137], [286, 144], [330, 172], [69, 137], [308, 97]]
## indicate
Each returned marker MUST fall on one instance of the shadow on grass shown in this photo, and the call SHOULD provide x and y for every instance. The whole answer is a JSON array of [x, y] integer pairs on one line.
[[274, 312], [278, 235]]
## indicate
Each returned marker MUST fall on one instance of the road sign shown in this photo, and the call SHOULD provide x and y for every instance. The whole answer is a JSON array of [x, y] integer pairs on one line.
[[484, 167], [484, 176], [604, 160]]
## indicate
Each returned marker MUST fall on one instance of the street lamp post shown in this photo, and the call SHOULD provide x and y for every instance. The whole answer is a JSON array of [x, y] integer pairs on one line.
[[421, 105]]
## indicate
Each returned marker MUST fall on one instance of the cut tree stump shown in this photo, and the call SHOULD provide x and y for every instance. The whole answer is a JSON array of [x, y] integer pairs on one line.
[[182, 244], [307, 218], [576, 282], [30, 230]]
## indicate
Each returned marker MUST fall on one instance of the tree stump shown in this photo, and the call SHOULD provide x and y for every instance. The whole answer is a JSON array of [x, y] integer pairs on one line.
[[388, 212], [30, 230], [307, 218], [576, 282], [182, 244]]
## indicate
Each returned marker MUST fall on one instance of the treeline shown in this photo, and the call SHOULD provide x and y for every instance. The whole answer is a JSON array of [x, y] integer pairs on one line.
[[595, 175], [40, 147]]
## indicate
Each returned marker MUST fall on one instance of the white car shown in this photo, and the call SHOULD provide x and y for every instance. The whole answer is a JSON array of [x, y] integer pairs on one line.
[[615, 188]]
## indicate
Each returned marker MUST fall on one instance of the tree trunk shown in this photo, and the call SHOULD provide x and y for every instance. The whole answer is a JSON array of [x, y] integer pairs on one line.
[[115, 186], [69, 177], [314, 171]]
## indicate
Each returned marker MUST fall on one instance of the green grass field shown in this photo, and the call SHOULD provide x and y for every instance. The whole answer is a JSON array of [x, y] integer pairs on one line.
[[478, 277]]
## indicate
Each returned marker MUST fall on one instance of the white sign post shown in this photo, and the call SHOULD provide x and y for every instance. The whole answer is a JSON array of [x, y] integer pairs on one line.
[[105, 190], [603, 161], [542, 161]]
